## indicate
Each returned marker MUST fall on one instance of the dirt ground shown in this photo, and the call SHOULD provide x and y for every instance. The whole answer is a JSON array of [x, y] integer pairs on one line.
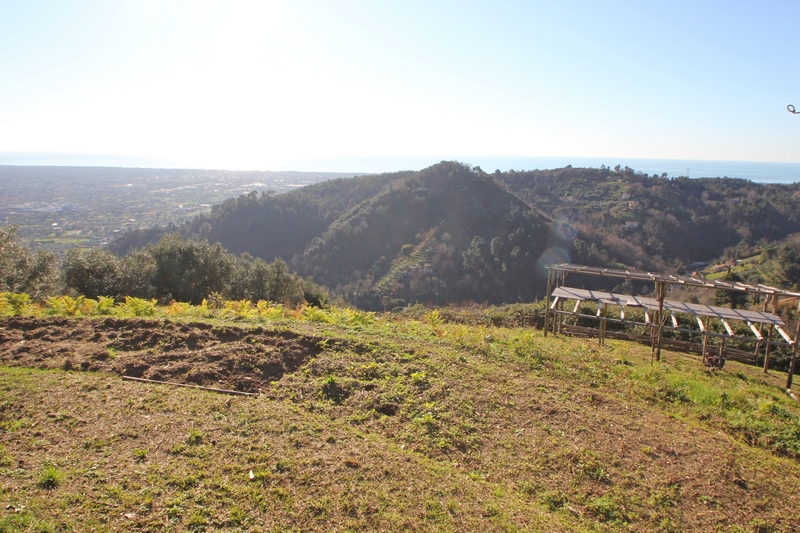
[[245, 360], [589, 453]]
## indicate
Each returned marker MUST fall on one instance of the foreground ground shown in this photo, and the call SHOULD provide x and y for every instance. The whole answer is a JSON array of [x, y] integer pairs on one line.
[[387, 425]]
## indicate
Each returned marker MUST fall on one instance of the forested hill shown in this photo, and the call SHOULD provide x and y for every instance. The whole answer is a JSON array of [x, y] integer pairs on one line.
[[452, 233], [656, 223], [447, 233]]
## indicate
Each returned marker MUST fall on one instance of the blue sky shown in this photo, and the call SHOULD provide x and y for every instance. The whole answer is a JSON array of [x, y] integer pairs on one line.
[[275, 85]]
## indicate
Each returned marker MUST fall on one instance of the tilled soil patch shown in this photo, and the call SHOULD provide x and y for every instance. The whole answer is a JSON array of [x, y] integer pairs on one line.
[[226, 357]]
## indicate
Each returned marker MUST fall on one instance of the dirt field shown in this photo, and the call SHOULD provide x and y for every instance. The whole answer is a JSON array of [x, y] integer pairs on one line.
[[200, 354]]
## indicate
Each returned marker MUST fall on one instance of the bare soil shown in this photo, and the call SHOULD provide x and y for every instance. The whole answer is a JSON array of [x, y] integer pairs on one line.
[[225, 357]]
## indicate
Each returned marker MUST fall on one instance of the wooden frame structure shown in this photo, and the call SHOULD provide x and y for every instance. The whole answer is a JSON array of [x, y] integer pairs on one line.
[[660, 312]]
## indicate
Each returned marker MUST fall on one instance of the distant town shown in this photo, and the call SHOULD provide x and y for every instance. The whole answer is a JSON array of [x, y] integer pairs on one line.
[[59, 207]]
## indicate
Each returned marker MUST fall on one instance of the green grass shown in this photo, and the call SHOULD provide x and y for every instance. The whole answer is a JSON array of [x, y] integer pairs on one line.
[[402, 423]]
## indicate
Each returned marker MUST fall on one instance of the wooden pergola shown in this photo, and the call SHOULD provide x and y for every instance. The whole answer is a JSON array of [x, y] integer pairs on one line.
[[660, 312]]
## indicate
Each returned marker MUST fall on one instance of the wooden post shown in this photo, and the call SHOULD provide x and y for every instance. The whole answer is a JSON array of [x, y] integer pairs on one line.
[[705, 339], [659, 320], [602, 337], [767, 349], [759, 342], [794, 358], [769, 333], [560, 319], [547, 307]]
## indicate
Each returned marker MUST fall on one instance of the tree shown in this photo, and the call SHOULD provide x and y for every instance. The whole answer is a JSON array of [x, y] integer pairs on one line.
[[735, 299], [93, 272], [189, 271], [23, 271]]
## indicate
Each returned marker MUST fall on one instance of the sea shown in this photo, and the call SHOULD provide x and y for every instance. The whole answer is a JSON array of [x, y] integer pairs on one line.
[[756, 171]]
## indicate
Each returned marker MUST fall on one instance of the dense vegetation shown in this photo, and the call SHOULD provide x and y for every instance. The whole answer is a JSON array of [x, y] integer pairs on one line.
[[171, 269], [656, 223], [451, 233]]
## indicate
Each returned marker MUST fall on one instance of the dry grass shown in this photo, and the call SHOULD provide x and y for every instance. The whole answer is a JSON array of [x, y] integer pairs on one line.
[[392, 425]]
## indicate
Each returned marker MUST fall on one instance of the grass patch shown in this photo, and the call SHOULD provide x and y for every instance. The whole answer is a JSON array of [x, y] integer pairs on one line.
[[386, 422]]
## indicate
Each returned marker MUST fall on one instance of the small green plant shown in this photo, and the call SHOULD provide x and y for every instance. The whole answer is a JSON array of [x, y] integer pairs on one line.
[[434, 318], [237, 516], [139, 306], [50, 477], [361, 318], [607, 509], [5, 457], [105, 305], [333, 390], [177, 308], [553, 500], [140, 454], [14, 304], [419, 379], [266, 310], [315, 314], [66, 305], [195, 437], [239, 308]]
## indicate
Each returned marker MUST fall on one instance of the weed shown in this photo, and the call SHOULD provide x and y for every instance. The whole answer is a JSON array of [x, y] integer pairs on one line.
[[50, 477], [140, 454], [5, 457], [139, 306], [315, 314], [239, 308], [15, 304], [236, 516], [434, 318], [332, 390], [553, 500], [419, 379], [608, 509], [65, 305], [195, 437], [177, 309]]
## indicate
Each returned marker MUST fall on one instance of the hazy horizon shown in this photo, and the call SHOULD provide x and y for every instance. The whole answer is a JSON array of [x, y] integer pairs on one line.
[[757, 171]]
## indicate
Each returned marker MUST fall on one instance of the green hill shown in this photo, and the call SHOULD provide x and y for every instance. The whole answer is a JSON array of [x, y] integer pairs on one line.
[[452, 233]]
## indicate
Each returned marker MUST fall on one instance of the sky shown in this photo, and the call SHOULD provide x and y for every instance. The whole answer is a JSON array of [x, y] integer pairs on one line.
[[285, 85]]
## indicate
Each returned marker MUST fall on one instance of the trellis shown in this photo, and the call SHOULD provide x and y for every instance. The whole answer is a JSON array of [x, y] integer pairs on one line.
[[660, 312]]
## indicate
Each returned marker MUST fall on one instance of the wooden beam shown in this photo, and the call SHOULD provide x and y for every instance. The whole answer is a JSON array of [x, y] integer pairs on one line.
[[700, 324], [190, 386], [784, 334], [727, 327], [755, 331]]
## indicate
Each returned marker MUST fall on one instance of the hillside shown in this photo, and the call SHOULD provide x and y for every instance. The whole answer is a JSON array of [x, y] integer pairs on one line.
[[656, 223], [379, 423], [451, 233]]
